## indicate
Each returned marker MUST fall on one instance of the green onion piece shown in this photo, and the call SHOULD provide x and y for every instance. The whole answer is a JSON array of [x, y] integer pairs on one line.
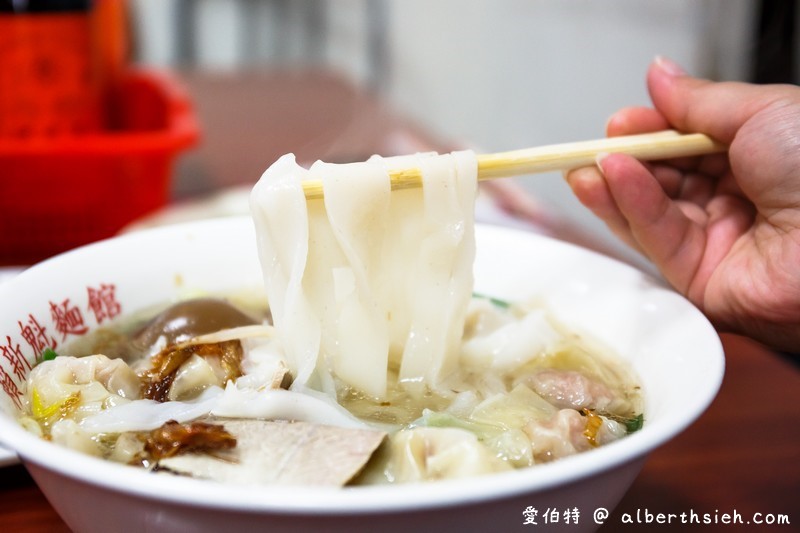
[[49, 354], [634, 424], [495, 301]]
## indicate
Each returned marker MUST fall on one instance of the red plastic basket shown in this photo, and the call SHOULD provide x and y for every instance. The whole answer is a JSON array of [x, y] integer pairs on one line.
[[59, 193]]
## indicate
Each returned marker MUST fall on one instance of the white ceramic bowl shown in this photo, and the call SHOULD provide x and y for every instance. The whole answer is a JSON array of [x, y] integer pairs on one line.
[[671, 346]]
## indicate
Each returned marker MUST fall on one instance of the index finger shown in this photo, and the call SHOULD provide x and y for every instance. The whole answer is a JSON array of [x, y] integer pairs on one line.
[[718, 109]]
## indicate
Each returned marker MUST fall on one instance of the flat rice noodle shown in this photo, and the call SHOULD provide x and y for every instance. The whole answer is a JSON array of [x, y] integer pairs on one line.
[[278, 207], [345, 257], [381, 278], [437, 258], [304, 405], [146, 415], [232, 402]]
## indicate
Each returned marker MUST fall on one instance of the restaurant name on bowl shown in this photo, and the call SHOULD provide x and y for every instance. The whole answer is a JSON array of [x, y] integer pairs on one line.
[[37, 332]]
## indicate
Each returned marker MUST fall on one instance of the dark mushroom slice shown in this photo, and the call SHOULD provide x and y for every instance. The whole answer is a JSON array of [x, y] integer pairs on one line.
[[188, 319]]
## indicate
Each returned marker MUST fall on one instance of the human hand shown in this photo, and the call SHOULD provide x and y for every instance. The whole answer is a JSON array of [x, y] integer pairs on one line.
[[723, 229]]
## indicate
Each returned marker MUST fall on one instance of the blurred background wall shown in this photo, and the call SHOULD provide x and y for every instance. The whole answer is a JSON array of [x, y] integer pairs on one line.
[[489, 74]]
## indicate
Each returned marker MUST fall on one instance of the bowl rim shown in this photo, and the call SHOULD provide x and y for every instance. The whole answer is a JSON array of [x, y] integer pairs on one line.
[[351, 500]]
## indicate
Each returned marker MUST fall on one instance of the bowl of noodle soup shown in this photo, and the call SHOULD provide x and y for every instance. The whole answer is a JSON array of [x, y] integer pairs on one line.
[[670, 349], [669, 344]]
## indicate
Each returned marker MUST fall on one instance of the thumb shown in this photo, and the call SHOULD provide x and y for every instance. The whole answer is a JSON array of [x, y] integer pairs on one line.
[[696, 105]]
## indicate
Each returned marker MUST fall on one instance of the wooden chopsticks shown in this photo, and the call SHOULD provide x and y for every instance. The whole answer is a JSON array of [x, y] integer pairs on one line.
[[647, 147]]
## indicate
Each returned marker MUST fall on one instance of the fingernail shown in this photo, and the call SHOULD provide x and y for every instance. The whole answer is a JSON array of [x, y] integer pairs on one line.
[[608, 122], [614, 121], [598, 159], [669, 66]]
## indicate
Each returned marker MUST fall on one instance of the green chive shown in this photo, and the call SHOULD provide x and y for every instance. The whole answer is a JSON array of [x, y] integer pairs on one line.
[[495, 301]]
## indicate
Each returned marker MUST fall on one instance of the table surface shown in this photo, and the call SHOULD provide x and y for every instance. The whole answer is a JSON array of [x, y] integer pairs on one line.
[[742, 455]]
